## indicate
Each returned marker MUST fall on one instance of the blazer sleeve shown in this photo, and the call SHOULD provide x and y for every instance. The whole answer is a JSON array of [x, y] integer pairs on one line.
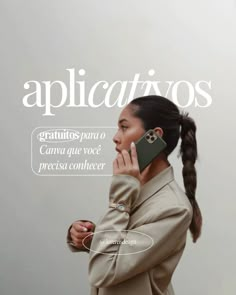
[[109, 263]]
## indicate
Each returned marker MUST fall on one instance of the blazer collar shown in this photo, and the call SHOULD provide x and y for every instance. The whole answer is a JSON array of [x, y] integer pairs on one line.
[[154, 184]]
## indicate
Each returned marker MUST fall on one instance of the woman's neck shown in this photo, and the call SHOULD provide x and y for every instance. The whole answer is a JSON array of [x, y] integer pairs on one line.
[[156, 166]]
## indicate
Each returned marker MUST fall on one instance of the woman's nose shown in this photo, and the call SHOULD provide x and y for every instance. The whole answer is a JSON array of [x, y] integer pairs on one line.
[[116, 139]]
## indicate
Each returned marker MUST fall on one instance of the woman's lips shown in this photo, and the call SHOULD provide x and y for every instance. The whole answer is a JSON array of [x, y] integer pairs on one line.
[[117, 150]]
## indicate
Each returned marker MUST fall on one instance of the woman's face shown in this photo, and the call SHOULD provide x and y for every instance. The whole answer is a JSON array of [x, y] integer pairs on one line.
[[130, 129]]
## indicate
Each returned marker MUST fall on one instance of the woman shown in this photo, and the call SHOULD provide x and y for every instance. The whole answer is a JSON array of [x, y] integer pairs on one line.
[[148, 204]]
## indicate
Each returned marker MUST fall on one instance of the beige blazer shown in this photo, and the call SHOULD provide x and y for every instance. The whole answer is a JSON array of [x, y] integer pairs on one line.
[[139, 241]]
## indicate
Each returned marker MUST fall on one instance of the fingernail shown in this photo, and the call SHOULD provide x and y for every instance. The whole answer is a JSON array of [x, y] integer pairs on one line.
[[85, 229], [132, 143]]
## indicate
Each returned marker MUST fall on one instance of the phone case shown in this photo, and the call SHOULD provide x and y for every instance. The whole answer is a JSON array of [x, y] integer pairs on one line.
[[148, 147]]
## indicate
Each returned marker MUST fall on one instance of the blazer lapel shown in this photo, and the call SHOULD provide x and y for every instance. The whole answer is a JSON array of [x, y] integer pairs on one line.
[[154, 185]]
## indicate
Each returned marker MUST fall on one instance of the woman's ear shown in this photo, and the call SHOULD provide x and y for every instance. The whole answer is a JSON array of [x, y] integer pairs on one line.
[[159, 131]]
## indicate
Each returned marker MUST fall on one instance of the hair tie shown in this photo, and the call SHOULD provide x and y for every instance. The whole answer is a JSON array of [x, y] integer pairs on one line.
[[182, 117]]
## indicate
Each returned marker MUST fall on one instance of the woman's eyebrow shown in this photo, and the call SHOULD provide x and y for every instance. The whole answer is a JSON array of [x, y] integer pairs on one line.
[[122, 120]]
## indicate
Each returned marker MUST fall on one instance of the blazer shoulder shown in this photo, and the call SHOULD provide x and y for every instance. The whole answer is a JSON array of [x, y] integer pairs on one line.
[[171, 199], [177, 197]]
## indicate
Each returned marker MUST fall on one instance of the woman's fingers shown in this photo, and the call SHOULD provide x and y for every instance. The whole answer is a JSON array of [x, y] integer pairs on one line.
[[80, 238], [126, 159], [127, 163], [79, 226], [79, 235], [115, 166], [134, 156], [79, 243], [120, 160]]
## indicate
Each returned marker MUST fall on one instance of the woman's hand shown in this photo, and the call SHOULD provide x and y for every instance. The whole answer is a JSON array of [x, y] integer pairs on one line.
[[126, 163], [80, 230]]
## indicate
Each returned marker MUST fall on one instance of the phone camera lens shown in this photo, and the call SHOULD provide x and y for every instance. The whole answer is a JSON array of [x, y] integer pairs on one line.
[[152, 138]]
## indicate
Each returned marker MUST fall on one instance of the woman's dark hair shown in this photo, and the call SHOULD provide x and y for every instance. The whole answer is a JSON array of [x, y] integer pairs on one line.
[[157, 111]]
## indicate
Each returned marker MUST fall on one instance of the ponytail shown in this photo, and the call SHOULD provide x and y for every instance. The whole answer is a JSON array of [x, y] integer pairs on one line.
[[188, 153], [153, 111]]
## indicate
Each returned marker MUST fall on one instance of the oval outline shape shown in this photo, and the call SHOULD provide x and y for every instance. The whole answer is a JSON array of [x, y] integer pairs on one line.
[[120, 231]]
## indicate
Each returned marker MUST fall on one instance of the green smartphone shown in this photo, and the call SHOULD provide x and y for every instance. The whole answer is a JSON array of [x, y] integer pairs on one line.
[[148, 147]]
